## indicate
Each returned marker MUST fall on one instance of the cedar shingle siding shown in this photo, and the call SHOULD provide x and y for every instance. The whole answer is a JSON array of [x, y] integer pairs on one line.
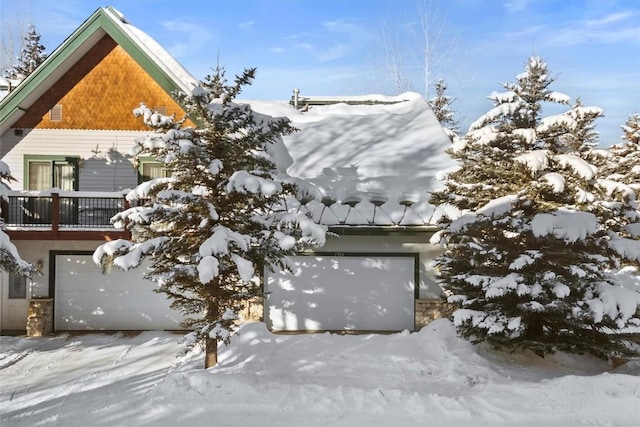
[[99, 92]]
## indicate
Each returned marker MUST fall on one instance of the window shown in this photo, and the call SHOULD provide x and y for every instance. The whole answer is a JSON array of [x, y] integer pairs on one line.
[[43, 172], [150, 168], [17, 287], [46, 172], [55, 114]]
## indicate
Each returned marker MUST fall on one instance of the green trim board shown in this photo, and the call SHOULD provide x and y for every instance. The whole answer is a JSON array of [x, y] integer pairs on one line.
[[75, 160], [60, 55], [148, 160]]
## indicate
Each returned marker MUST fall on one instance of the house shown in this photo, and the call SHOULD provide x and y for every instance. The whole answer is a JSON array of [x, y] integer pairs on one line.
[[69, 127], [372, 159], [67, 131], [7, 85]]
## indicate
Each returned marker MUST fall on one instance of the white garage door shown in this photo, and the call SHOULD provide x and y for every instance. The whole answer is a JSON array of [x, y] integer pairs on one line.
[[86, 299], [343, 293]]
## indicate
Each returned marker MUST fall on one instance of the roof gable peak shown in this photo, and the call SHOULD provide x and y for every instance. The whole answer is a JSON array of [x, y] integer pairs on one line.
[[156, 62]]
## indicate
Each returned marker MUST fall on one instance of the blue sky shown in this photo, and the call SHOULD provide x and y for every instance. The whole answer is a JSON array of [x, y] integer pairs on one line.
[[334, 47]]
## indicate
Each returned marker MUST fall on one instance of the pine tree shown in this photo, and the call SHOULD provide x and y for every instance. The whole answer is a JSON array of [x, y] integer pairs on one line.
[[10, 259], [628, 152], [626, 169], [631, 130], [441, 106], [31, 57], [212, 227], [581, 135], [527, 241], [620, 171]]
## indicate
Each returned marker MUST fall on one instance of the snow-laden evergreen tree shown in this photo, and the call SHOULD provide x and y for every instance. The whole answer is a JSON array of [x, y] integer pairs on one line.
[[620, 170], [220, 218], [441, 106], [10, 259], [31, 56], [631, 129], [528, 238], [581, 134], [628, 153]]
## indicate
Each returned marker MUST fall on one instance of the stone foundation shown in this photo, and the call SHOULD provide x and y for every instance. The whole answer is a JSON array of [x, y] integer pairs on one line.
[[40, 317], [253, 311], [428, 310], [40, 314]]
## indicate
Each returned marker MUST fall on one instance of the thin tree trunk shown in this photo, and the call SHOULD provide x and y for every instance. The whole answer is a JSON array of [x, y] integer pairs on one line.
[[211, 353]]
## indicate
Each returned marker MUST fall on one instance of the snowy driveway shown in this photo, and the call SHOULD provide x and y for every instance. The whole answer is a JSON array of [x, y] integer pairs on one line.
[[430, 378]]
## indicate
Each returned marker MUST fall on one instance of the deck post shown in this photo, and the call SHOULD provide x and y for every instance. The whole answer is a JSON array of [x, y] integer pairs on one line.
[[125, 206], [55, 213], [4, 210]]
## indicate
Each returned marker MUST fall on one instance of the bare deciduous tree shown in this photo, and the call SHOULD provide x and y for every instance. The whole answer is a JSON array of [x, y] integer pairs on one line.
[[416, 52], [12, 41]]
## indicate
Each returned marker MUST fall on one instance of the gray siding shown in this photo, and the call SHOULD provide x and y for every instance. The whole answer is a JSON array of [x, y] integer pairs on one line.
[[106, 155]]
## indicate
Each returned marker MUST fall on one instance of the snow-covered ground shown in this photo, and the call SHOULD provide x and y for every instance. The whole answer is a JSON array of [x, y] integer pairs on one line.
[[428, 378]]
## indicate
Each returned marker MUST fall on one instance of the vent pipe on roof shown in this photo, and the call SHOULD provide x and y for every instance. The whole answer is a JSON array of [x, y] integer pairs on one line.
[[296, 94]]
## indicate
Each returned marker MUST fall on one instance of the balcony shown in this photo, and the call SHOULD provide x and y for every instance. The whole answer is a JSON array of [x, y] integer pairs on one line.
[[63, 215]]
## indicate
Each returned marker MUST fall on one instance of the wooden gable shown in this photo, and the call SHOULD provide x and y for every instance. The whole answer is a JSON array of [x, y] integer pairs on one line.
[[99, 92]]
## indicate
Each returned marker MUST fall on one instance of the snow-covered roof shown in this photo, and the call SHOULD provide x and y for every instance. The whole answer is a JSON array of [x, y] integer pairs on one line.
[[154, 50], [369, 160], [6, 85], [376, 162]]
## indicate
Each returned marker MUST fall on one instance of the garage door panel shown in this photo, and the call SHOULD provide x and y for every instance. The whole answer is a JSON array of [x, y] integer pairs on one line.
[[87, 299], [343, 293], [121, 280], [75, 264], [109, 300], [125, 284], [74, 320]]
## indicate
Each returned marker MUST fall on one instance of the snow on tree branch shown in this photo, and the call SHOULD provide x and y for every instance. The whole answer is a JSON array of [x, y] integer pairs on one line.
[[10, 259], [219, 218], [539, 224], [567, 225]]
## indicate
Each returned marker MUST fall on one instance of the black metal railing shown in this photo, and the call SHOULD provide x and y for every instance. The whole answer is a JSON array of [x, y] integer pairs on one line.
[[65, 210]]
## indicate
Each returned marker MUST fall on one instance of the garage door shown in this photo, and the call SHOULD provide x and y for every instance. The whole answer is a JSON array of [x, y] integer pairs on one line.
[[86, 299], [352, 292]]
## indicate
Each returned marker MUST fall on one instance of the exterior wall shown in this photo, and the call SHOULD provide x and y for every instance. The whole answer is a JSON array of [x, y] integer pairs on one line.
[[414, 243], [37, 251], [99, 92], [106, 155], [428, 307]]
